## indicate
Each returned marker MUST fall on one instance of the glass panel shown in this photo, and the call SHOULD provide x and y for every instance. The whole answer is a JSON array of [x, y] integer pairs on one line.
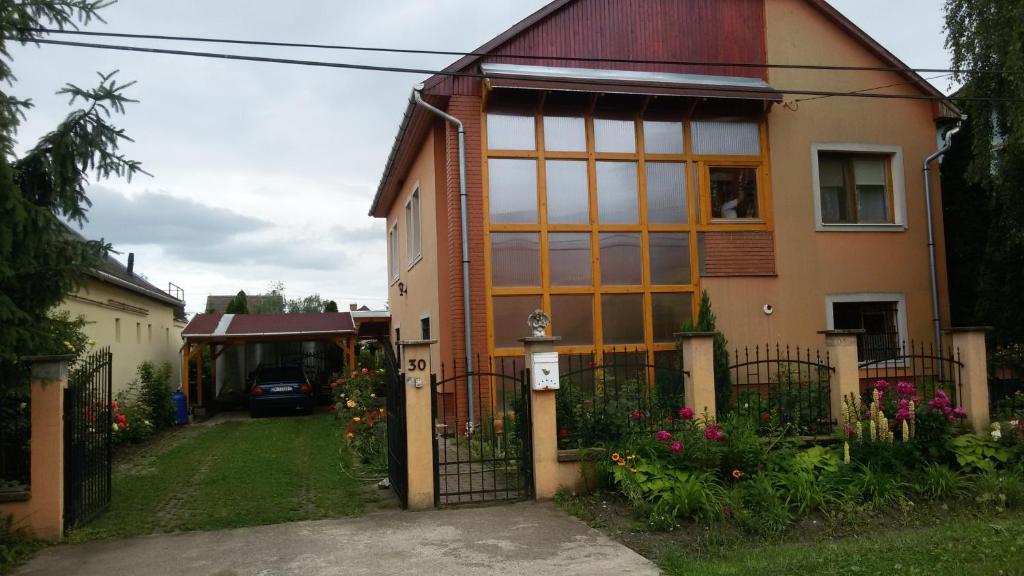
[[666, 193], [565, 134], [670, 258], [620, 259], [569, 259], [733, 192], [668, 312], [832, 181], [510, 130], [572, 318], [568, 196], [872, 190], [622, 318], [617, 193], [724, 137], [510, 314], [512, 191], [515, 259], [663, 137], [614, 135]]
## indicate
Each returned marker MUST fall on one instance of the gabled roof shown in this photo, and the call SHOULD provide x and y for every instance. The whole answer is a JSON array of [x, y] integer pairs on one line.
[[416, 121], [219, 303]]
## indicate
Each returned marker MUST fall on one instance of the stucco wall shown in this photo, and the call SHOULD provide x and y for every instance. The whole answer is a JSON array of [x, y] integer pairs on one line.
[[421, 277], [812, 264], [158, 338]]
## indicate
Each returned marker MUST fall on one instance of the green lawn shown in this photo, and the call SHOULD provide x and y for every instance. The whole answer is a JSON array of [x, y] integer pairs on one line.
[[237, 473], [958, 547]]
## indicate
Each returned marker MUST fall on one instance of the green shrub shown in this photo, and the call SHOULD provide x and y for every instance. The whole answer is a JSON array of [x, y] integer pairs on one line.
[[999, 489], [978, 452], [941, 482], [16, 546], [146, 404], [761, 507], [878, 486]]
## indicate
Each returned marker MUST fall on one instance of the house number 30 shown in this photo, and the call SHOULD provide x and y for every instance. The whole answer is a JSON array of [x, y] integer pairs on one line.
[[417, 364]]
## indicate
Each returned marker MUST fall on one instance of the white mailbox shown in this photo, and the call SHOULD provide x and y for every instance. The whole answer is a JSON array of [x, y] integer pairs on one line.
[[545, 371]]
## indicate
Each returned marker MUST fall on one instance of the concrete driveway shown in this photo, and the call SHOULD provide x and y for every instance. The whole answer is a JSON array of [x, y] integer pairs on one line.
[[526, 538]]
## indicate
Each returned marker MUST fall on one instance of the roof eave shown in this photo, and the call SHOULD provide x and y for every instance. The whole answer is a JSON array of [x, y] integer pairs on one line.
[[111, 279]]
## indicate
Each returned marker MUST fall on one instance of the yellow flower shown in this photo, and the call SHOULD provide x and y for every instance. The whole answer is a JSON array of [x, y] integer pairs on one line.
[[351, 403], [846, 452], [736, 474], [68, 345], [356, 418], [621, 462], [92, 342], [632, 469], [631, 457], [350, 435], [616, 457], [381, 410]]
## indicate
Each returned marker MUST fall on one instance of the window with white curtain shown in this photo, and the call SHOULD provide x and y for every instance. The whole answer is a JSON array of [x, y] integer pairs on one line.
[[858, 186], [412, 225], [393, 252]]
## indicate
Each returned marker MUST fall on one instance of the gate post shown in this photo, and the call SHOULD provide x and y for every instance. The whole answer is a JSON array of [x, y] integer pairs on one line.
[[43, 511], [540, 352], [841, 346], [699, 361], [969, 345], [419, 425]]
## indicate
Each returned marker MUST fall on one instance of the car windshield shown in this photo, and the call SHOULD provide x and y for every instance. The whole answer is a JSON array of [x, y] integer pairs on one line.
[[281, 374]]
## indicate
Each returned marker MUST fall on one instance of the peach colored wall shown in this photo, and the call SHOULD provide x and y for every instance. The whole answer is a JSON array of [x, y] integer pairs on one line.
[[133, 347], [812, 264], [420, 278], [43, 512]]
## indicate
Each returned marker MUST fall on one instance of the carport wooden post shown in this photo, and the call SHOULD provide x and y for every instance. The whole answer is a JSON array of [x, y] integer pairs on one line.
[[186, 356], [419, 424]]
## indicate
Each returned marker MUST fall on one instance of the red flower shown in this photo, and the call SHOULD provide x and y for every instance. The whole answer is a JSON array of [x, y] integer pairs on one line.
[[334, 385], [364, 371], [686, 413], [563, 432], [766, 417], [113, 406]]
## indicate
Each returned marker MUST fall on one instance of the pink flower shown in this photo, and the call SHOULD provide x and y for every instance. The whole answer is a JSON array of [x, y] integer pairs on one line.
[[663, 436], [882, 385], [676, 447], [905, 389], [959, 412], [686, 413], [713, 433], [636, 414]]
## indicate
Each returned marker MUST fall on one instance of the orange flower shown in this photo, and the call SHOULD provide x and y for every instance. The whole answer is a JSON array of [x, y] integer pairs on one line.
[[736, 474], [616, 457]]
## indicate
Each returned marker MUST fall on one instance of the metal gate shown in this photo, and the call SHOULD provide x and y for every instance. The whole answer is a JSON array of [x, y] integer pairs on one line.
[[88, 422], [395, 410], [482, 444]]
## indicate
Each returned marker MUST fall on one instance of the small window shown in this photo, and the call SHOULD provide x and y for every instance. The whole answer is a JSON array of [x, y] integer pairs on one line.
[[515, 259], [511, 130], [615, 135], [412, 226], [617, 198], [733, 192], [723, 137], [393, 252], [149, 333], [568, 193], [882, 320], [565, 134], [117, 329], [425, 328], [855, 188], [167, 335], [138, 332], [512, 190]]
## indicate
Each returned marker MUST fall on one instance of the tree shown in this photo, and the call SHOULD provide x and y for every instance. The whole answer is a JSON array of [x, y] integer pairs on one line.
[[238, 305], [309, 304], [986, 39], [40, 260], [330, 306], [273, 302]]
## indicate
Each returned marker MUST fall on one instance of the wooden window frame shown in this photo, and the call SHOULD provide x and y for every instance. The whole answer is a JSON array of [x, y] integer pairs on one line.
[[695, 223], [393, 253], [414, 237], [895, 183]]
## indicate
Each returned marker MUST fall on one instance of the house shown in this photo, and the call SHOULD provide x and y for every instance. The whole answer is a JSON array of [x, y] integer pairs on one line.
[[218, 304], [611, 185], [137, 320]]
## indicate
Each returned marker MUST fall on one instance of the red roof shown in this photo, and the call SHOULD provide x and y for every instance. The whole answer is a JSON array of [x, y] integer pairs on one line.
[[256, 326]]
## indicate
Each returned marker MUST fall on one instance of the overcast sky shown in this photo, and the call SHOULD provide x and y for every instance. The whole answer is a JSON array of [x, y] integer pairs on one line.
[[264, 172]]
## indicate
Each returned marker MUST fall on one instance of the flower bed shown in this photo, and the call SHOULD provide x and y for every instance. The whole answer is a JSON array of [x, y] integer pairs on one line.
[[356, 405], [896, 449]]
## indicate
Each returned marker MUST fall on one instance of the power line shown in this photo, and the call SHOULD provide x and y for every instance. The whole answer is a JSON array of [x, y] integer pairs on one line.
[[477, 76], [758, 65]]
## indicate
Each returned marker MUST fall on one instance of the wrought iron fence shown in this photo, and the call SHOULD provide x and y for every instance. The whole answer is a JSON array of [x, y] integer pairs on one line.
[[1006, 381], [600, 403], [87, 435], [919, 364], [782, 389]]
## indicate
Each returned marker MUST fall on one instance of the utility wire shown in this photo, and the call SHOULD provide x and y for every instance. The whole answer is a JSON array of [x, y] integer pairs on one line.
[[799, 100], [477, 76], [482, 54]]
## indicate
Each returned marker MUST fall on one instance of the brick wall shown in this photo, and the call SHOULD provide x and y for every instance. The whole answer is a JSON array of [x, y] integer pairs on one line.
[[737, 254]]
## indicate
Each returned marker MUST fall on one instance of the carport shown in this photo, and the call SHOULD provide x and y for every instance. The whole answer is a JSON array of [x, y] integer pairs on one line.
[[221, 331]]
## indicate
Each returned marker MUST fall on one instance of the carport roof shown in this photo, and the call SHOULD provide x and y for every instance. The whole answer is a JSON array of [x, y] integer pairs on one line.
[[255, 327]]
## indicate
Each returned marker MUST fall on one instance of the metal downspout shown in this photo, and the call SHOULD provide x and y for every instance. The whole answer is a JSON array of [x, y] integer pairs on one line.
[[948, 141], [465, 248]]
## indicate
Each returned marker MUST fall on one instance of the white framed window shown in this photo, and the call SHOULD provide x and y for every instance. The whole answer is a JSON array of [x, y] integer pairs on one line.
[[412, 226], [393, 253], [858, 187], [882, 316]]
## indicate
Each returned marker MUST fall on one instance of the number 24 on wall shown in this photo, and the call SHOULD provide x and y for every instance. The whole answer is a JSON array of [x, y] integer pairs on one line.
[[417, 364]]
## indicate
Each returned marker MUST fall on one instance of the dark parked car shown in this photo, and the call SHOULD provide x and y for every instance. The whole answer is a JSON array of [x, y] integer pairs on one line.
[[280, 388]]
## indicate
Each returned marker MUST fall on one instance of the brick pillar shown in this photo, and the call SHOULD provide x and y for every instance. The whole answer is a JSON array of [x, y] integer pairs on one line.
[[699, 361], [969, 346], [540, 354], [419, 423], [842, 353]]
